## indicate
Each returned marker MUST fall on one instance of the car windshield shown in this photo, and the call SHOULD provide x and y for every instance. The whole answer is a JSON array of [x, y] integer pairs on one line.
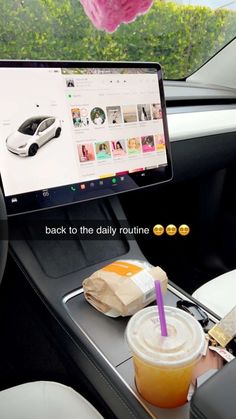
[[181, 35], [30, 126]]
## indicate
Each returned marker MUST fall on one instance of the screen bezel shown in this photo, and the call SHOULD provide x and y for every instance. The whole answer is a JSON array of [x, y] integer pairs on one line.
[[30, 200]]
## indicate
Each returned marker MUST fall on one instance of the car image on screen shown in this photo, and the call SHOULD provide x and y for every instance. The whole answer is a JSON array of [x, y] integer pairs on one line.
[[33, 134]]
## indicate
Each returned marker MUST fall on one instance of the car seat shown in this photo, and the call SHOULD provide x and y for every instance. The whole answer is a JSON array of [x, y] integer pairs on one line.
[[219, 294]]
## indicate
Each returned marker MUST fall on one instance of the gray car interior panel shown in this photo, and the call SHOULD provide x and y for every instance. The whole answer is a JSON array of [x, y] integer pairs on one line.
[[62, 257], [85, 317], [3, 236], [194, 157], [175, 90]]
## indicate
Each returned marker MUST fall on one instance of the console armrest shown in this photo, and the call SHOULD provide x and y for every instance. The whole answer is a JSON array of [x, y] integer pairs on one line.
[[216, 397]]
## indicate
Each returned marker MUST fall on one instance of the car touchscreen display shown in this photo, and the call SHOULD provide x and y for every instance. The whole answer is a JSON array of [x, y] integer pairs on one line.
[[72, 132]]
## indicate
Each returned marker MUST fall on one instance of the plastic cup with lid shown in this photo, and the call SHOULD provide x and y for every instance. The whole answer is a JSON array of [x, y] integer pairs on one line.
[[164, 365]]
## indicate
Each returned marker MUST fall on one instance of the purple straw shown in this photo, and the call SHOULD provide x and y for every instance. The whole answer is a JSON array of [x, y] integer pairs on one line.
[[160, 306]]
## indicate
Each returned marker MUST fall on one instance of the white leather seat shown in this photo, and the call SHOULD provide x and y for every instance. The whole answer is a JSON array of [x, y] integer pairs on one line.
[[44, 400], [219, 294]]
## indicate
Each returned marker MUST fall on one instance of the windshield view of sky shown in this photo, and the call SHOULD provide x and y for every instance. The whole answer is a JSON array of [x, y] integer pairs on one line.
[[210, 3]]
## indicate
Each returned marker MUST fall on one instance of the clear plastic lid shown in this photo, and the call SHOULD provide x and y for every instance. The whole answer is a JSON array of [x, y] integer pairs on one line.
[[184, 343]]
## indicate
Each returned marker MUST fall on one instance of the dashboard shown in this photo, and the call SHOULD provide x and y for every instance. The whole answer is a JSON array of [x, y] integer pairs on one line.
[[74, 164]]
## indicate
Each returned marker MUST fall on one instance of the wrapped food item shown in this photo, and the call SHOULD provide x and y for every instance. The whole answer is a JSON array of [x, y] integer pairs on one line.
[[123, 287]]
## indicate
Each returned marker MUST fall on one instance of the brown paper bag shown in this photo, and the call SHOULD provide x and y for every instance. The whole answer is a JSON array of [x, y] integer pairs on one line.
[[123, 287]]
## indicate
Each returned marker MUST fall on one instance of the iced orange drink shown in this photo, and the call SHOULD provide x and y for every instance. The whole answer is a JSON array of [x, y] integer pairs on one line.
[[164, 365]]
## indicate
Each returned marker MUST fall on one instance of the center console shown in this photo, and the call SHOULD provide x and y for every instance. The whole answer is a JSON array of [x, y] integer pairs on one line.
[[55, 269]]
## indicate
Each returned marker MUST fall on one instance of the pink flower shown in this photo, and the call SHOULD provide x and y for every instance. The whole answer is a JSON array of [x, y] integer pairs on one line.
[[109, 14]]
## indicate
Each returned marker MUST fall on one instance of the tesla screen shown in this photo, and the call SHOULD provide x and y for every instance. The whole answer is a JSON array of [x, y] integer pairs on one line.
[[93, 131]]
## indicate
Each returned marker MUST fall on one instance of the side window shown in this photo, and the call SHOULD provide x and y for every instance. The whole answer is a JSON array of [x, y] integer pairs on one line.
[[42, 126], [34, 126], [49, 122]]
